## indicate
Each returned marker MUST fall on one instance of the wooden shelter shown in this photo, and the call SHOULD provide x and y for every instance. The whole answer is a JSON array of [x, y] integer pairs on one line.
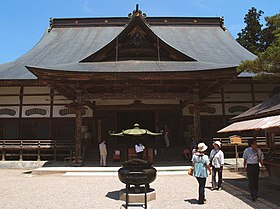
[[263, 117]]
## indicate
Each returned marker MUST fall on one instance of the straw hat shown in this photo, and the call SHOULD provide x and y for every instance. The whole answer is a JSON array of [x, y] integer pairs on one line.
[[218, 143], [201, 147]]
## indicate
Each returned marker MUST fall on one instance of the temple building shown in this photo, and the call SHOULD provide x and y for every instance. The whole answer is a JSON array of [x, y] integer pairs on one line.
[[89, 76]]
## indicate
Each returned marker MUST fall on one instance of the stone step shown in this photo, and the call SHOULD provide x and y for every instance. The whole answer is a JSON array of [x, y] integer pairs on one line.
[[88, 171]]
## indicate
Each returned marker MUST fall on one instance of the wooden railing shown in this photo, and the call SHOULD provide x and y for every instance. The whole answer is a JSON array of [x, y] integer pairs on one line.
[[35, 149]]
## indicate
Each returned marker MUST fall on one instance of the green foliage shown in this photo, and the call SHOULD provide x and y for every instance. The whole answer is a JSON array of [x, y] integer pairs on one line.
[[272, 29], [251, 35], [267, 65]]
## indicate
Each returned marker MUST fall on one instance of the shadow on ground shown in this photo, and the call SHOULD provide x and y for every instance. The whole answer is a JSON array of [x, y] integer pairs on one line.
[[268, 192], [113, 195], [191, 201]]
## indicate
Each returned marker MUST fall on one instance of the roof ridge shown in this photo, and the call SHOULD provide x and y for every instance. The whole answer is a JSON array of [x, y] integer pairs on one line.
[[122, 21]]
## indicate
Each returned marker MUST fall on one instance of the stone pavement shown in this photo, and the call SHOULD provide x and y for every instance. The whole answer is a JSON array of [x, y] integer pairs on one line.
[[20, 189]]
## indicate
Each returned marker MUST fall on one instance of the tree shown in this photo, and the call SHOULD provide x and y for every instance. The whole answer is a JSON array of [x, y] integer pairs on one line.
[[251, 35], [267, 64], [272, 29]]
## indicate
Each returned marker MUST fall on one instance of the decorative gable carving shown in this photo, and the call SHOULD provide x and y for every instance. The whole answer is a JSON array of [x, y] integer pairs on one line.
[[137, 42]]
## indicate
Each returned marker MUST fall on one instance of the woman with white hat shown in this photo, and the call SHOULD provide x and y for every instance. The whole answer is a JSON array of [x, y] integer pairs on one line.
[[201, 165], [217, 163]]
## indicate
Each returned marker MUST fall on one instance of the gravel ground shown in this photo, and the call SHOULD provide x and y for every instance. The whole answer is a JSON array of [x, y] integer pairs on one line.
[[21, 190]]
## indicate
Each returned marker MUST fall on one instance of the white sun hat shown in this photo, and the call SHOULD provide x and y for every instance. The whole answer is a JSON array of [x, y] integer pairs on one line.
[[201, 147], [218, 143]]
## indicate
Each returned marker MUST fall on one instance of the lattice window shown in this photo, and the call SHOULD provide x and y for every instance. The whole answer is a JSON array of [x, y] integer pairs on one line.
[[207, 109], [237, 108], [66, 111], [7, 111], [35, 111]]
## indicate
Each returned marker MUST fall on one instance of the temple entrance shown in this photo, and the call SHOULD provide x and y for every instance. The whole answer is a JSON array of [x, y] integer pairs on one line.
[[126, 119]]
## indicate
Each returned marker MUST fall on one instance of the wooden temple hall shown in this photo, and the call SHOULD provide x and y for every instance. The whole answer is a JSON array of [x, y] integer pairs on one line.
[[89, 76]]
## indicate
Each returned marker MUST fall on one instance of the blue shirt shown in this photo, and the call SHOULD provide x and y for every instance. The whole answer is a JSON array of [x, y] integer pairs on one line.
[[252, 156], [200, 165]]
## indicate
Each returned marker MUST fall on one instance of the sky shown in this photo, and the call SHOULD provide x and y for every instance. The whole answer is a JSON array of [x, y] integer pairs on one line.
[[23, 22]]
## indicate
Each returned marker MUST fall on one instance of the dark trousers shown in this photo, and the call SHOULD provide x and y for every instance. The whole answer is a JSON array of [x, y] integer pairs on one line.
[[201, 189], [220, 177], [140, 155], [253, 171]]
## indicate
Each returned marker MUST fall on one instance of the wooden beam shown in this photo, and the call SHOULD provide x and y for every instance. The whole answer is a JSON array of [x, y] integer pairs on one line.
[[196, 116], [109, 96], [78, 132]]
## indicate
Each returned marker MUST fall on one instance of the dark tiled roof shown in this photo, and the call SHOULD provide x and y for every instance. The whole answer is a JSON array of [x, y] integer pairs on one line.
[[207, 42], [270, 106]]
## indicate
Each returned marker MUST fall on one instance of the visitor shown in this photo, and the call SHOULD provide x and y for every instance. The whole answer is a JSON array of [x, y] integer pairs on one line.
[[166, 133], [139, 149], [201, 165], [103, 153], [252, 157], [217, 163]]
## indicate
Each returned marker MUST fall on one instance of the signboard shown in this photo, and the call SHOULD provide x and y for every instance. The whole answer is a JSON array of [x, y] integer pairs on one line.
[[235, 139]]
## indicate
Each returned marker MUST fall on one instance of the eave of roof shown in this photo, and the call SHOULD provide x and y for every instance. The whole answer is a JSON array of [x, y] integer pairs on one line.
[[131, 66], [255, 124]]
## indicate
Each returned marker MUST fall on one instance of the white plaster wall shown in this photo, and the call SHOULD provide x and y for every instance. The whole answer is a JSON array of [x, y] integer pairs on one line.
[[9, 100], [237, 87], [9, 90], [264, 87], [243, 97], [36, 100], [61, 100], [213, 98], [36, 90], [261, 96]]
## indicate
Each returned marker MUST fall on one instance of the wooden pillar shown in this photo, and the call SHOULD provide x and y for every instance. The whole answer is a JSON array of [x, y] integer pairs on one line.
[[196, 116], [20, 111], [223, 106], [253, 95], [51, 113], [78, 132]]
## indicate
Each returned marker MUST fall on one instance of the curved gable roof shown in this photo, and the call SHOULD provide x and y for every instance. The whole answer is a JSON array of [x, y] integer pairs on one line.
[[137, 42]]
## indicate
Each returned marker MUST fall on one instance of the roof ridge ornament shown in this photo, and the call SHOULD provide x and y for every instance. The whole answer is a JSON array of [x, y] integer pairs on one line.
[[137, 13]]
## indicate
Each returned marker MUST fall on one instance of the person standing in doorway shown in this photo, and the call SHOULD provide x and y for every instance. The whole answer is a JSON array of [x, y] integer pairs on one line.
[[217, 162], [253, 156], [139, 149], [103, 153], [166, 135], [201, 165]]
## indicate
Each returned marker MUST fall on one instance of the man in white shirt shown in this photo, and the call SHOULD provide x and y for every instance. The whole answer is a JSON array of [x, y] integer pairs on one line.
[[139, 149], [252, 157], [103, 153]]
